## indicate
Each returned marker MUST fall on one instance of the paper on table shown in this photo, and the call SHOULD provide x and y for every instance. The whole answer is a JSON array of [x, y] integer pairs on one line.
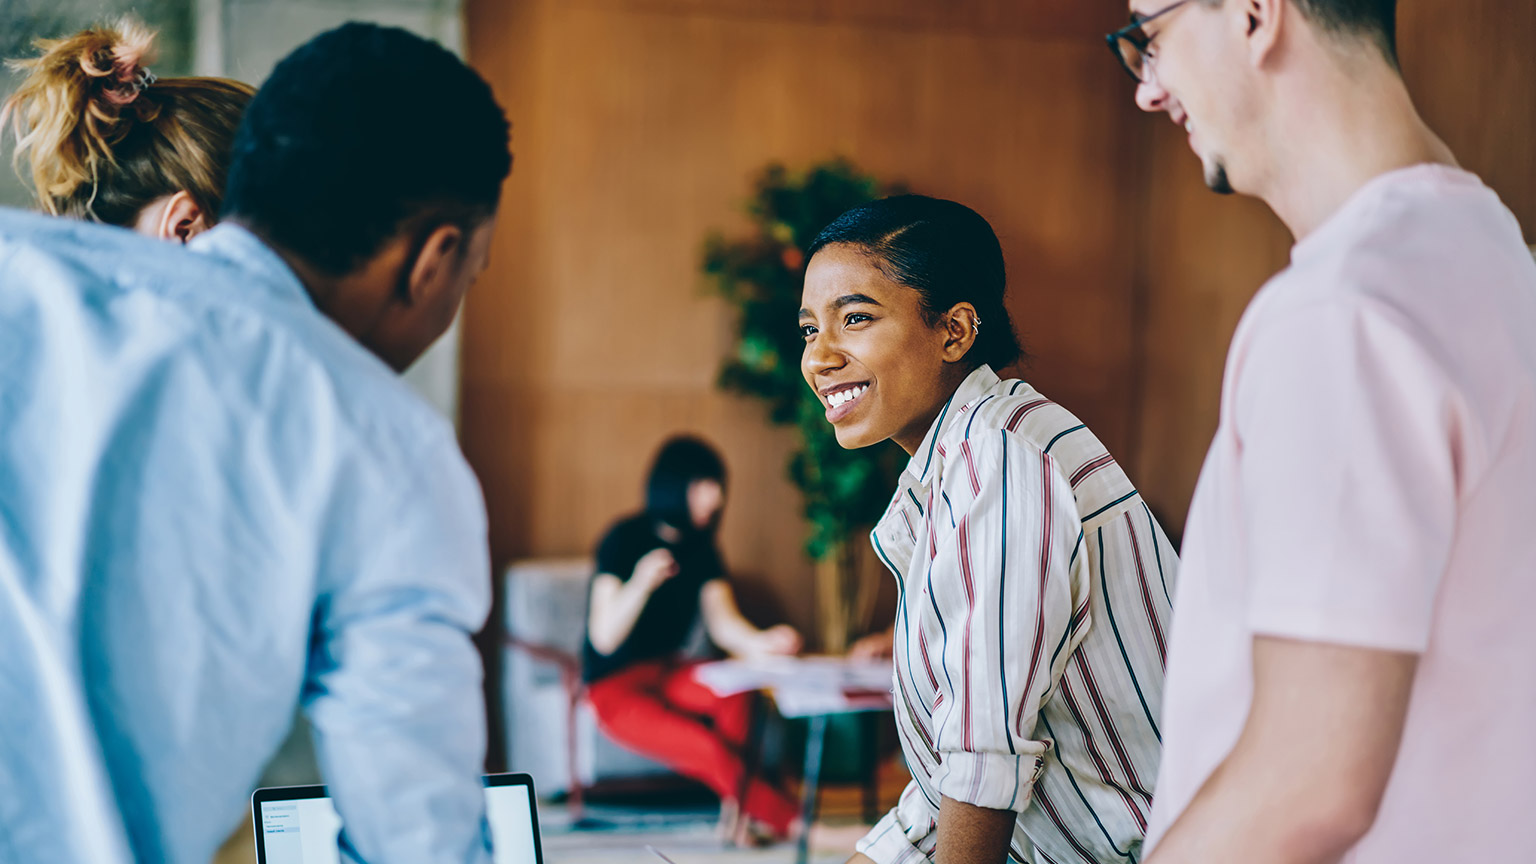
[[804, 686], [729, 677], [794, 702], [726, 677]]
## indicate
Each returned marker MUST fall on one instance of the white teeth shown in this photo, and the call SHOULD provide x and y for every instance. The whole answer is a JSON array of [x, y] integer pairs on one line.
[[843, 397]]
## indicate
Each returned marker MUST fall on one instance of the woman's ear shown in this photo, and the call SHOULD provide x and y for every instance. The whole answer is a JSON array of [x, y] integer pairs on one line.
[[961, 328], [180, 219]]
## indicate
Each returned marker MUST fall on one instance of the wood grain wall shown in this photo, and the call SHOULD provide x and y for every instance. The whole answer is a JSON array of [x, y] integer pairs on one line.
[[639, 125]]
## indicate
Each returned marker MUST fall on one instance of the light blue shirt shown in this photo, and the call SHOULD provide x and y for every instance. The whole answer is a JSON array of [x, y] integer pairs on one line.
[[214, 506]]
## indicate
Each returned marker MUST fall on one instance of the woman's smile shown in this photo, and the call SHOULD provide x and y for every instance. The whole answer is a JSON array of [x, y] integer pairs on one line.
[[872, 356], [843, 399]]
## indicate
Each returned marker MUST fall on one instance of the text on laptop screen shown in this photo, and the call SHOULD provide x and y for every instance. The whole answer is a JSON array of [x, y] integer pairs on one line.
[[304, 830]]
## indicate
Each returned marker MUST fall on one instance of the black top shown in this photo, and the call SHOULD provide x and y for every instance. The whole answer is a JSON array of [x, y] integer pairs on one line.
[[667, 620]]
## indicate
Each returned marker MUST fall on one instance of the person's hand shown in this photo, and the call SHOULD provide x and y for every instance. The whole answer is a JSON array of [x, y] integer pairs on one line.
[[654, 568], [778, 641], [874, 646]]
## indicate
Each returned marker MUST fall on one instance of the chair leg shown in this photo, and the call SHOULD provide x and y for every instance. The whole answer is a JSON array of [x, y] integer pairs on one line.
[[871, 766], [816, 738], [750, 757], [576, 799]]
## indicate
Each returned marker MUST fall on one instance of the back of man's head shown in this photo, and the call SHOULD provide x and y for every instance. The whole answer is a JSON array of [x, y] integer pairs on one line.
[[1375, 20], [358, 135]]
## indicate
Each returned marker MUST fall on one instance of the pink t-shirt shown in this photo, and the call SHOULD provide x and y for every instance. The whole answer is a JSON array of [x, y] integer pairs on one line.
[[1373, 483]]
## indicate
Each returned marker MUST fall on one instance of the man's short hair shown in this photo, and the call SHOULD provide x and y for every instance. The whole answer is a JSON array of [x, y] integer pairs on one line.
[[1373, 19], [360, 133]]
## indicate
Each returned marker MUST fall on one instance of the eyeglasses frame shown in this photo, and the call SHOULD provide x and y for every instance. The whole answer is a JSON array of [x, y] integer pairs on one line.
[[1133, 35]]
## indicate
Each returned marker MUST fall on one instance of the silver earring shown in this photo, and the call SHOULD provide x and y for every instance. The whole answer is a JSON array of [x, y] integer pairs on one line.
[[976, 326]]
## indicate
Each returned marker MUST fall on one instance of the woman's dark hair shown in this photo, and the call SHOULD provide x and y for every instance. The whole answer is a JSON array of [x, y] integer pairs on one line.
[[680, 461], [944, 251]]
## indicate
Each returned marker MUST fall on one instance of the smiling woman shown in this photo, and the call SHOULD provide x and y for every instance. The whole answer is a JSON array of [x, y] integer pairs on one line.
[[902, 285], [1035, 584]]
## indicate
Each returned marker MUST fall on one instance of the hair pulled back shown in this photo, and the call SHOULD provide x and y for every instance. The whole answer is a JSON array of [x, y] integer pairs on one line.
[[943, 250], [99, 138]]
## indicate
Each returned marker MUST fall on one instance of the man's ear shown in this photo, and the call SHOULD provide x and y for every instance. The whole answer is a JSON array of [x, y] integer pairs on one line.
[[436, 263], [961, 327], [182, 219], [1263, 23]]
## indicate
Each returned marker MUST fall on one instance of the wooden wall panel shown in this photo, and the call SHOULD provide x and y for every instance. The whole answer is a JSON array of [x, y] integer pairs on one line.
[[1203, 257], [1037, 20], [639, 127], [1471, 66]]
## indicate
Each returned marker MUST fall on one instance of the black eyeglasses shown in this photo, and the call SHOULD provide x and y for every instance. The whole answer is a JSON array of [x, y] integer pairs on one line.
[[1130, 42]]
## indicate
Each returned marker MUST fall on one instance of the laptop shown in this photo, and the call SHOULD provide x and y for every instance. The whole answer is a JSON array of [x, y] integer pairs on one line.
[[299, 825]]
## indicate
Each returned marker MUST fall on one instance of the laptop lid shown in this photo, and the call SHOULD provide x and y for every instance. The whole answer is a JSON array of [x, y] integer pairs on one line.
[[299, 824]]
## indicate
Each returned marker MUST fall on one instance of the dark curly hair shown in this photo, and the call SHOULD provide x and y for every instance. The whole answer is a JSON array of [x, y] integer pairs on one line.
[[362, 133]]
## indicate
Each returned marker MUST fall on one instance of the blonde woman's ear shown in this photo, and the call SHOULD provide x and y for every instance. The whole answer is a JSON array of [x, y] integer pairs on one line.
[[176, 218]]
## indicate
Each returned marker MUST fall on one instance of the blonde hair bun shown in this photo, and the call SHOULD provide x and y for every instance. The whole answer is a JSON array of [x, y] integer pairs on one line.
[[99, 138]]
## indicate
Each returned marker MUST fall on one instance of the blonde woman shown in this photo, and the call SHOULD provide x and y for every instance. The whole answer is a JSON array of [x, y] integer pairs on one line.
[[98, 137]]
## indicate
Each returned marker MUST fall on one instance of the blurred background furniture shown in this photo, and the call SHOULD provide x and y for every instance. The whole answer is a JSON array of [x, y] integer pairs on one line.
[[551, 732]]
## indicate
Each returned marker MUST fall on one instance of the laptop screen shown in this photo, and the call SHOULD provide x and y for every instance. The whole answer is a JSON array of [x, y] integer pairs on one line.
[[299, 825]]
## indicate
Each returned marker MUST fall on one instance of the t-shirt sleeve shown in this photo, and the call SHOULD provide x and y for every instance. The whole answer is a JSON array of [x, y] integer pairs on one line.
[[617, 552], [1348, 431]]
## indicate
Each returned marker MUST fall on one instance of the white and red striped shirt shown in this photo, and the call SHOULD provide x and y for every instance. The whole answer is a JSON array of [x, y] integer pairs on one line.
[[1031, 631]]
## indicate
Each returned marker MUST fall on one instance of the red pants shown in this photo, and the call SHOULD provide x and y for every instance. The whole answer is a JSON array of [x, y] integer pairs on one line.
[[657, 709]]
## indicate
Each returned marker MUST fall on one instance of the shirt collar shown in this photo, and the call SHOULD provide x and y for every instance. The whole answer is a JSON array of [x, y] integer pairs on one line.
[[979, 383], [238, 246]]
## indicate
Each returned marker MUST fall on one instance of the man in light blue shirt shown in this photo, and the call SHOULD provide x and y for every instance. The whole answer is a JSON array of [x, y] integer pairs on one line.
[[217, 499]]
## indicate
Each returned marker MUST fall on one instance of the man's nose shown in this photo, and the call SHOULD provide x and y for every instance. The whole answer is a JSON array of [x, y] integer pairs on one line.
[[1150, 95]]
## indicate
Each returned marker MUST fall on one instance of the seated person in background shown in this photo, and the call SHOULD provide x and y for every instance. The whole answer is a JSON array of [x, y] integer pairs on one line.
[[103, 140], [219, 501], [656, 571]]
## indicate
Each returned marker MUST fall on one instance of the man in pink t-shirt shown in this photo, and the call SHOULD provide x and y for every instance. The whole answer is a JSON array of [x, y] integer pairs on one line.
[[1352, 673]]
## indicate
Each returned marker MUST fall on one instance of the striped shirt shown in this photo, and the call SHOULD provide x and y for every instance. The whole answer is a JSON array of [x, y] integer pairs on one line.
[[1031, 631]]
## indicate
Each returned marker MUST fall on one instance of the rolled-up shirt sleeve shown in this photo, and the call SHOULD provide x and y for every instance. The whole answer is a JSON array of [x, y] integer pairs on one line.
[[891, 841], [394, 687], [1008, 600]]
